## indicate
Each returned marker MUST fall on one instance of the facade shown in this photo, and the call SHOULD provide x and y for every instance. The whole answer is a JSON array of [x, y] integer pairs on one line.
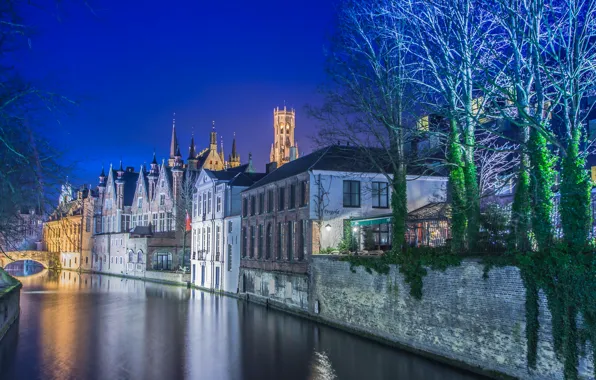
[[68, 231], [304, 207], [215, 256], [284, 148]]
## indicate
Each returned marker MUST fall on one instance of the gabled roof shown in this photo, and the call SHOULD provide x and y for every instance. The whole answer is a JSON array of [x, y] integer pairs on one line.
[[332, 158], [246, 179]]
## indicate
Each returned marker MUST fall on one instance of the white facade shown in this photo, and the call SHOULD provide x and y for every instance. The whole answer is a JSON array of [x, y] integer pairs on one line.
[[215, 246], [327, 204]]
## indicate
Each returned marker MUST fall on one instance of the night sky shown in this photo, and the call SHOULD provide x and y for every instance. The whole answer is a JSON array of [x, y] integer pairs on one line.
[[131, 64]]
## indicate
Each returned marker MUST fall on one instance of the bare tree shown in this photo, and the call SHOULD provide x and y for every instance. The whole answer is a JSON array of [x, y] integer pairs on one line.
[[497, 163], [367, 101]]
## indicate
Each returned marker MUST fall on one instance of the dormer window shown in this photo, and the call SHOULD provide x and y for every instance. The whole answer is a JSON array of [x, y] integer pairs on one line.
[[163, 183], [139, 202], [162, 199]]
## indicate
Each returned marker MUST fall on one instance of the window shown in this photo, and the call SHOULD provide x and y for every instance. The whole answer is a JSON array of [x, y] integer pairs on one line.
[[282, 199], [244, 242], [380, 194], [169, 221], [162, 199], [303, 194], [120, 260], [280, 238], [261, 203], [252, 242], [260, 250], [209, 202], [125, 222], [154, 221], [270, 201], [252, 205], [230, 226], [301, 239], [88, 223], [208, 239], [218, 204], [195, 206], [139, 202], [134, 221], [245, 206], [351, 193], [204, 204], [162, 225], [162, 261], [229, 257], [592, 129], [162, 183], [130, 256], [292, 196], [268, 243], [217, 233], [290, 240]]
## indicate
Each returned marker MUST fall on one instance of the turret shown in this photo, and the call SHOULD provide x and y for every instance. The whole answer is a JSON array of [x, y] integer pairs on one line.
[[192, 155], [152, 176], [173, 144], [120, 187], [213, 139], [102, 180], [234, 158]]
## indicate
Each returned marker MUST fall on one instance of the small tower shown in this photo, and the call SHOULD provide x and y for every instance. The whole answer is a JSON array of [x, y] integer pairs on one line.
[[213, 139], [234, 158], [153, 176], [284, 124], [177, 173], [173, 144], [192, 155]]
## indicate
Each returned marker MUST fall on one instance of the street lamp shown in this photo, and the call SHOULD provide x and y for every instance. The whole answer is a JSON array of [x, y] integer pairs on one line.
[[328, 227]]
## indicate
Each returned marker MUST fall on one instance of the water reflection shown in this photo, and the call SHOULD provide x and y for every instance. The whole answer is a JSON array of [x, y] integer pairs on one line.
[[88, 326], [23, 268]]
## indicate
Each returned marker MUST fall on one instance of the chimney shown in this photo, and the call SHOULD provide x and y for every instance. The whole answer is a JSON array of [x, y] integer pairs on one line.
[[270, 167], [293, 152]]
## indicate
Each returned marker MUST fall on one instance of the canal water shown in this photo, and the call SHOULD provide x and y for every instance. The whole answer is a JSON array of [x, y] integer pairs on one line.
[[101, 327]]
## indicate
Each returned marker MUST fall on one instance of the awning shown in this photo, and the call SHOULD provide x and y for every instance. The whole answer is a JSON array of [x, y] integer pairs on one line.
[[370, 221]]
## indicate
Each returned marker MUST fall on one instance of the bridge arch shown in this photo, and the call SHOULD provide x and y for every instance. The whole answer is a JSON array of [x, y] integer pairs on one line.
[[47, 259]]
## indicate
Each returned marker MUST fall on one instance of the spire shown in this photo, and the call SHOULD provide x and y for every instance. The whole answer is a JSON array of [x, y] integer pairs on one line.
[[191, 150], [174, 142], [234, 146], [154, 159], [223, 156]]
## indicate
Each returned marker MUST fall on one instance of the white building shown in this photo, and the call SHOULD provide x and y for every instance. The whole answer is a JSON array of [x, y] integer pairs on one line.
[[215, 243]]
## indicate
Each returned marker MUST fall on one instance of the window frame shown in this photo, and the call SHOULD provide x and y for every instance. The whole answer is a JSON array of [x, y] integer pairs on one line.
[[351, 193]]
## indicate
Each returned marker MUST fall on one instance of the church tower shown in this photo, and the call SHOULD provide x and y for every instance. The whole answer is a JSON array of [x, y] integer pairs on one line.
[[173, 145], [284, 146], [234, 157]]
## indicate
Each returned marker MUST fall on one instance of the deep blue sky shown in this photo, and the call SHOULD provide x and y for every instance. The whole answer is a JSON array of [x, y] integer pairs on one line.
[[133, 63]]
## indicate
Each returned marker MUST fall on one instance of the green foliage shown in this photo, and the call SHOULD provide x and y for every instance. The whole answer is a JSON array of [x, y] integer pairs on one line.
[[348, 241], [369, 240], [575, 198], [457, 190], [541, 183], [521, 212], [472, 194], [327, 251], [492, 238]]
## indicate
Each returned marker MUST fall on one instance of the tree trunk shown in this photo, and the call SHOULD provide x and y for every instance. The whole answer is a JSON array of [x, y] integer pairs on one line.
[[575, 196], [457, 190], [471, 184], [541, 183], [399, 207]]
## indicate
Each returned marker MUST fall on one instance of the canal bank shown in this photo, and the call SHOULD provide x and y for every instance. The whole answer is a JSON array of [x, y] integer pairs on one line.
[[10, 293], [464, 319]]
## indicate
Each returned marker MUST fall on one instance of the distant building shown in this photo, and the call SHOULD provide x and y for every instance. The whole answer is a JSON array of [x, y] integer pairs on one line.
[[215, 256], [68, 230], [139, 217], [284, 148], [305, 206]]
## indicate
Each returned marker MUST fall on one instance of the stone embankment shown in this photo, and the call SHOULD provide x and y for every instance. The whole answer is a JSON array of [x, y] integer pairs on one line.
[[10, 293]]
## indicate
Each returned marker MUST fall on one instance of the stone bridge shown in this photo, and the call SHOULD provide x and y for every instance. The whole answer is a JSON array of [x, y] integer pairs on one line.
[[47, 259]]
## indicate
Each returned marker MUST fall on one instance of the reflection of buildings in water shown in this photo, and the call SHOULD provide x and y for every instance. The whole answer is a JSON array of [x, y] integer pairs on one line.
[[212, 338], [23, 268]]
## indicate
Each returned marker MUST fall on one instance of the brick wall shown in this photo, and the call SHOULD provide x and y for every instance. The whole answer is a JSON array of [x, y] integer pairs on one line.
[[461, 316]]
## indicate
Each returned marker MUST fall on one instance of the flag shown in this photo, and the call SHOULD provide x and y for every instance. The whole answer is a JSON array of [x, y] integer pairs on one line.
[[187, 221]]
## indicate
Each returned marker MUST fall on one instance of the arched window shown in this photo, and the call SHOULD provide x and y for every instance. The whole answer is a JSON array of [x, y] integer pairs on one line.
[[130, 256], [268, 243], [244, 242], [260, 250], [121, 260], [139, 256]]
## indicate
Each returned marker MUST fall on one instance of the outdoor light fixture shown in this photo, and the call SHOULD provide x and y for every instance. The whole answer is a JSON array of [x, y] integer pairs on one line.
[[328, 227], [355, 229]]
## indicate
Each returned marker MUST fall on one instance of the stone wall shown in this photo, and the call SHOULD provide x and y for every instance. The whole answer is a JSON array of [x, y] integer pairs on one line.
[[10, 293], [286, 290], [461, 316]]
